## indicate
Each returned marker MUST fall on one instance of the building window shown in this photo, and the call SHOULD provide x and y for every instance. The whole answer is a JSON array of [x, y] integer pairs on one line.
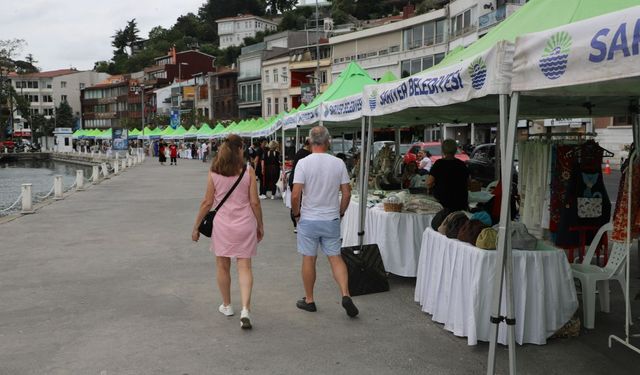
[[323, 77], [622, 121], [47, 99], [276, 106], [383, 52], [427, 62], [48, 111], [243, 94], [437, 58], [285, 76], [268, 106], [63, 98], [266, 75], [285, 104], [63, 84], [461, 23], [81, 86], [393, 49], [275, 76]]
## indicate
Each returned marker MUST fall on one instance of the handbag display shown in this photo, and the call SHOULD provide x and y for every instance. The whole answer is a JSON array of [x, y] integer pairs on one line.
[[471, 230], [439, 218], [487, 239], [521, 238], [206, 225], [365, 269], [452, 224]]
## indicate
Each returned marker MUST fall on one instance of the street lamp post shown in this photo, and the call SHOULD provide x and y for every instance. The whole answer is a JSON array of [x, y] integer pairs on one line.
[[317, 52]]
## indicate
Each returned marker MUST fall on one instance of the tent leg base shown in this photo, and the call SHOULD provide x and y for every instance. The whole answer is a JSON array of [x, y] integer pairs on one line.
[[623, 342]]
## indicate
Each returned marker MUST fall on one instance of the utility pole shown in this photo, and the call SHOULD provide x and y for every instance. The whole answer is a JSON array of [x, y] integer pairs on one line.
[[317, 52]]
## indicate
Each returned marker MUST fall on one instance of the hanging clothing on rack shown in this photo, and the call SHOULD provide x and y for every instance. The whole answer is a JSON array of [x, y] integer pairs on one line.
[[533, 181], [564, 160], [620, 215]]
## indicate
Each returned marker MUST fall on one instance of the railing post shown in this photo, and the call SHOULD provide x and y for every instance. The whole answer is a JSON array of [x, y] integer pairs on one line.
[[57, 187], [79, 180], [27, 204], [124, 164], [116, 167], [129, 164], [95, 177], [105, 171]]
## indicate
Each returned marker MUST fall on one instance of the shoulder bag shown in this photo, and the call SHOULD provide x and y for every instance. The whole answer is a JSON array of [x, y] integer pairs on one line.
[[206, 225]]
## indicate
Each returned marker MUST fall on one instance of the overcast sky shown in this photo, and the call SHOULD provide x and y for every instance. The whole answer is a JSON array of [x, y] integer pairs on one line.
[[76, 33]]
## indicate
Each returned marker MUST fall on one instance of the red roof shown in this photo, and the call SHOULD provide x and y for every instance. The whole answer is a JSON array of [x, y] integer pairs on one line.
[[48, 74]]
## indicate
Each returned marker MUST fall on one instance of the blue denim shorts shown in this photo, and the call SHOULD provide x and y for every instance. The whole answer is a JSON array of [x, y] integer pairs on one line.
[[313, 234]]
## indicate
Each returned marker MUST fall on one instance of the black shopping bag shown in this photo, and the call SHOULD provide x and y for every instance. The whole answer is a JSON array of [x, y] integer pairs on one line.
[[366, 270]]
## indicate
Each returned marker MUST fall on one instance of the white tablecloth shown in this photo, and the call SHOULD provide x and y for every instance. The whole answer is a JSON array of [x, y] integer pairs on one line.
[[455, 285], [398, 236]]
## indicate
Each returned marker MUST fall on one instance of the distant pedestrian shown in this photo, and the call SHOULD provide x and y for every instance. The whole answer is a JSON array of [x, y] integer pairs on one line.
[[194, 151], [204, 150], [161, 153], [301, 154], [271, 166], [449, 179], [321, 177], [237, 226], [173, 153]]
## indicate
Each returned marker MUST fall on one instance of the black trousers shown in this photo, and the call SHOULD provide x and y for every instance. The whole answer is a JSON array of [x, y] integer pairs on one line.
[[174, 160]]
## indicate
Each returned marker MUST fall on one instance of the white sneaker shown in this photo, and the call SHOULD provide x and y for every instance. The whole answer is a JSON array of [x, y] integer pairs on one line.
[[226, 310], [263, 197], [245, 319], [273, 197]]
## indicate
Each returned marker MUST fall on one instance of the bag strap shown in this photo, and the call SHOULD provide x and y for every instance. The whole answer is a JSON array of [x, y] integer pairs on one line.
[[244, 168]]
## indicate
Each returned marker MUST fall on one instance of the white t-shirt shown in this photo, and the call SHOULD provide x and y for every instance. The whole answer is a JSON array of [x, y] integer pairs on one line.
[[204, 147], [425, 163], [322, 175]]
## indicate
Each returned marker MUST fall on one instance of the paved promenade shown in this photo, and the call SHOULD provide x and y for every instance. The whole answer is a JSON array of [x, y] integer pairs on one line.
[[107, 281]]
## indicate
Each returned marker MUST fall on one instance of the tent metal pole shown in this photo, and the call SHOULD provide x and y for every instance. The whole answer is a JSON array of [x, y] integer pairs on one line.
[[297, 137], [627, 299], [283, 157], [504, 272], [397, 139], [361, 185]]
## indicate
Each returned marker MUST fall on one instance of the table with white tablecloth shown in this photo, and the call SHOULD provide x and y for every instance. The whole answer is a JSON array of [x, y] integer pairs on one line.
[[398, 235], [455, 285]]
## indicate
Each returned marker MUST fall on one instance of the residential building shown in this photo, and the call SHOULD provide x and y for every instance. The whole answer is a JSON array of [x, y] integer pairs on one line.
[[250, 81], [178, 66], [275, 82], [223, 91], [615, 134], [113, 103], [233, 30], [68, 87], [307, 71]]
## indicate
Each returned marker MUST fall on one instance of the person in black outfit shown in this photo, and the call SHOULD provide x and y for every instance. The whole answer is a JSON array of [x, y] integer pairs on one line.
[[301, 154], [449, 179], [260, 172], [271, 168]]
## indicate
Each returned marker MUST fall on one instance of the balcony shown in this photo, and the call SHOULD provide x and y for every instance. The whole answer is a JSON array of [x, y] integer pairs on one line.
[[490, 19]]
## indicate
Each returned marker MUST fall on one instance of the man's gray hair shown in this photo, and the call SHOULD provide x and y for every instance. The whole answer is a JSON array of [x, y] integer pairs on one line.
[[319, 136]]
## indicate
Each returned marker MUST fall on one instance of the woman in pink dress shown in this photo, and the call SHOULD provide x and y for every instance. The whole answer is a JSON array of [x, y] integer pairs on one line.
[[237, 226]]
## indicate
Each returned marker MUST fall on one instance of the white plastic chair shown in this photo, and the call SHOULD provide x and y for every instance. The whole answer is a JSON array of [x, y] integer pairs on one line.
[[594, 278]]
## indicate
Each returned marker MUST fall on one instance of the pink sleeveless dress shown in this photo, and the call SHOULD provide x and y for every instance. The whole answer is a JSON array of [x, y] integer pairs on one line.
[[235, 228]]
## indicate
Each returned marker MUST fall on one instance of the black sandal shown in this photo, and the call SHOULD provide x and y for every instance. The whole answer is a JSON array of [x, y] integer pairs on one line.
[[303, 305]]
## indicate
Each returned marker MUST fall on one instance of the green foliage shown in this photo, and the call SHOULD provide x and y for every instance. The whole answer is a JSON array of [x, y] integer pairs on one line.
[[296, 19], [64, 116], [427, 6], [280, 6], [40, 126], [216, 9]]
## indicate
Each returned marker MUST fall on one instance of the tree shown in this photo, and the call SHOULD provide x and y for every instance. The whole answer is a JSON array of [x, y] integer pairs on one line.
[[280, 6], [213, 10], [38, 126], [64, 116], [427, 6], [9, 48]]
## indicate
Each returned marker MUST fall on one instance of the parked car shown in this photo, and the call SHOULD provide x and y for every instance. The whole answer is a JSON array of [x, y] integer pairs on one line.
[[482, 164], [435, 149], [378, 145], [8, 145], [345, 150]]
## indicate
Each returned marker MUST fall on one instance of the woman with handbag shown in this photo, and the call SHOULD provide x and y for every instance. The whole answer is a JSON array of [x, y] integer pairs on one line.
[[237, 224]]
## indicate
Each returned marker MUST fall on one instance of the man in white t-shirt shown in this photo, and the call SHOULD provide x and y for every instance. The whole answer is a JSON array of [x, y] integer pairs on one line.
[[321, 177]]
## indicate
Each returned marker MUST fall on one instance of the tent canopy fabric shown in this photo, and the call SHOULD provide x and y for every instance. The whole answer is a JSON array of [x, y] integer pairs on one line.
[[388, 77]]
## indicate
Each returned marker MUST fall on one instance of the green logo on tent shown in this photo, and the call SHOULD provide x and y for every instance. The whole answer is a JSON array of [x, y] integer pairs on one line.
[[555, 57], [373, 100], [478, 72]]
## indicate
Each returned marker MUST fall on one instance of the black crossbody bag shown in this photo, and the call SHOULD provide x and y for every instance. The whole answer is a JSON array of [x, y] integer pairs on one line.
[[206, 225]]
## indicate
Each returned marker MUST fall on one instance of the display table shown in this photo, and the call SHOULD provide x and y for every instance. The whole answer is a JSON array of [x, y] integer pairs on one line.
[[398, 236], [455, 285]]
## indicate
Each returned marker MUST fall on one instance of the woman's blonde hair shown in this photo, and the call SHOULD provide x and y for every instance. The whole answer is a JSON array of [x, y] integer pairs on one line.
[[274, 146], [229, 159]]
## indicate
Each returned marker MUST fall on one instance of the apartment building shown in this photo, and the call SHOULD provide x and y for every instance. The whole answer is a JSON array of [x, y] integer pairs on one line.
[[223, 91], [275, 82], [250, 81], [233, 30], [67, 88], [308, 71]]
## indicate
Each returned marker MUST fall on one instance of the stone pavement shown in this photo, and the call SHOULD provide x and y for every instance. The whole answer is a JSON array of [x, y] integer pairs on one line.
[[107, 281]]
